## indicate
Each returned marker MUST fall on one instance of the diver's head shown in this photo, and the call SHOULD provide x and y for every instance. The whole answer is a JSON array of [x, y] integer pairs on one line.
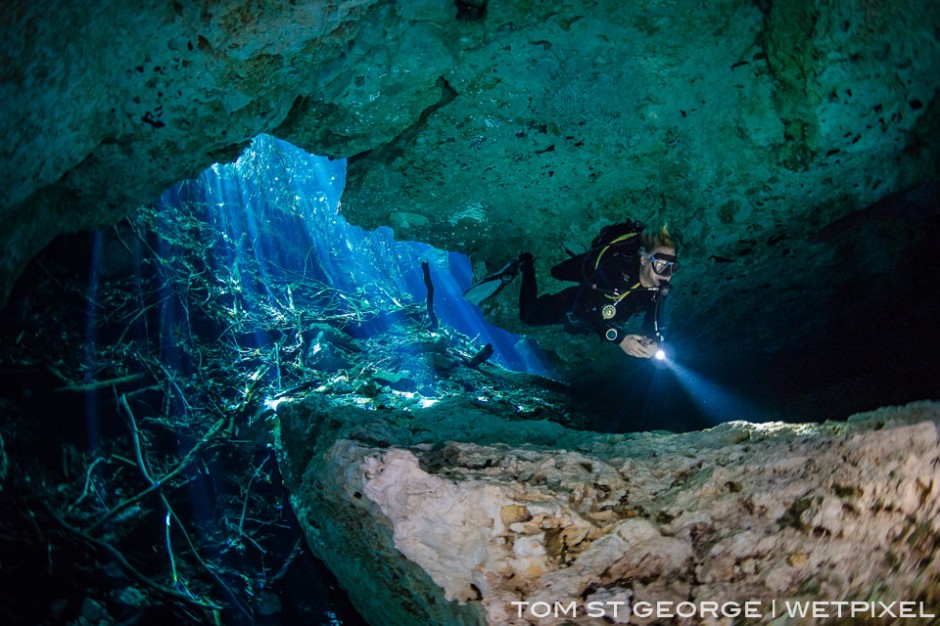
[[658, 260], [662, 237], [657, 267]]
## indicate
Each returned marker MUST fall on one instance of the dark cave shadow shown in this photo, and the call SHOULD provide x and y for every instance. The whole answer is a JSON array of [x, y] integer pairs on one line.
[[880, 343], [640, 398], [879, 346]]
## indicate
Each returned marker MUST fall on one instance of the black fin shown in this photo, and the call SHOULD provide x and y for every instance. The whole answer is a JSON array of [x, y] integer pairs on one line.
[[492, 284]]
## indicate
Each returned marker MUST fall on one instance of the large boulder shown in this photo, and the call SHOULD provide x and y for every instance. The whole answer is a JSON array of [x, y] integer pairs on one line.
[[453, 515]]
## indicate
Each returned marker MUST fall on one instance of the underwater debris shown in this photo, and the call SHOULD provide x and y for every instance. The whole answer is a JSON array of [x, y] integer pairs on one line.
[[481, 357], [426, 270]]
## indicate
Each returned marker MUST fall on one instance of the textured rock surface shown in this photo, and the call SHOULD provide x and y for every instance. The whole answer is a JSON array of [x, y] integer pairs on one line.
[[449, 515], [495, 129], [106, 104]]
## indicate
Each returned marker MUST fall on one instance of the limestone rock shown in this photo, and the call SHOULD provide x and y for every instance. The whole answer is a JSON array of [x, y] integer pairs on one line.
[[455, 522]]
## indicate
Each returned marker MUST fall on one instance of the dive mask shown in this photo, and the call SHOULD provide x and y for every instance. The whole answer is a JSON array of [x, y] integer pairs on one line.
[[664, 264]]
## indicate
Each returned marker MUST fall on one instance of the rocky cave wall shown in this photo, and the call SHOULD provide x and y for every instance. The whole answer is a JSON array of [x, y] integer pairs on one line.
[[450, 515], [494, 127]]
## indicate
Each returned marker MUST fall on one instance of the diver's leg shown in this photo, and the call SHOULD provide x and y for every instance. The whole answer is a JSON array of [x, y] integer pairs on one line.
[[529, 291], [550, 309], [536, 310]]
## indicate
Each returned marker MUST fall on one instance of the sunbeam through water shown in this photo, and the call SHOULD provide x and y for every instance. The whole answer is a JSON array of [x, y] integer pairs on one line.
[[281, 206]]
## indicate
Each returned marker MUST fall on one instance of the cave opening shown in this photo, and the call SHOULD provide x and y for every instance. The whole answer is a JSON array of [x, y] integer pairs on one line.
[[277, 208]]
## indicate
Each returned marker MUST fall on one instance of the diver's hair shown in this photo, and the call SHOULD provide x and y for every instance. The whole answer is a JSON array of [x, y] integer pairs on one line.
[[651, 241]]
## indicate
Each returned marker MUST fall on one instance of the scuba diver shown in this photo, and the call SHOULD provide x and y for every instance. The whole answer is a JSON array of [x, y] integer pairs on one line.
[[626, 271]]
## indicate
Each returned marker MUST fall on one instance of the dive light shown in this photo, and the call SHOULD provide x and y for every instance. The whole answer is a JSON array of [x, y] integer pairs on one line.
[[659, 322]]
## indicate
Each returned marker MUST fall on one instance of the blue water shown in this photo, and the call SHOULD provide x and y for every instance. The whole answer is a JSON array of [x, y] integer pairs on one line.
[[281, 205]]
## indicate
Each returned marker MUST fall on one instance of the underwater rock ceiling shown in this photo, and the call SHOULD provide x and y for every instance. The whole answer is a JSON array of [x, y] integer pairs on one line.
[[790, 144]]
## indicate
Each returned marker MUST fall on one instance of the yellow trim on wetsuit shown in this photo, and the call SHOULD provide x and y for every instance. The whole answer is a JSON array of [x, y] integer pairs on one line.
[[617, 299], [619, 239]]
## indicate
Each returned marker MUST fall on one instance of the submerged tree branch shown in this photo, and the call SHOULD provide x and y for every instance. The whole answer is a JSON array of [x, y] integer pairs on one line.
[[426, 269], [116, 554], [158, 484]]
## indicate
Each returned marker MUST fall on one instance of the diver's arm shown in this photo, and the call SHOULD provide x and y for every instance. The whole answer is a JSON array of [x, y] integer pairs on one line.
[[649, 321], [638, 346], [644, 344]]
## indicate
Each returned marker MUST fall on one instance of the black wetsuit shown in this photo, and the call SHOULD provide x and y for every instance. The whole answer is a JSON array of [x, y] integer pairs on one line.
[[609, 294]]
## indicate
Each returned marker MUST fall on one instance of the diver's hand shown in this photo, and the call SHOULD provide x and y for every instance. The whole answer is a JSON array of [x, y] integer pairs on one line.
[[639, 346]]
